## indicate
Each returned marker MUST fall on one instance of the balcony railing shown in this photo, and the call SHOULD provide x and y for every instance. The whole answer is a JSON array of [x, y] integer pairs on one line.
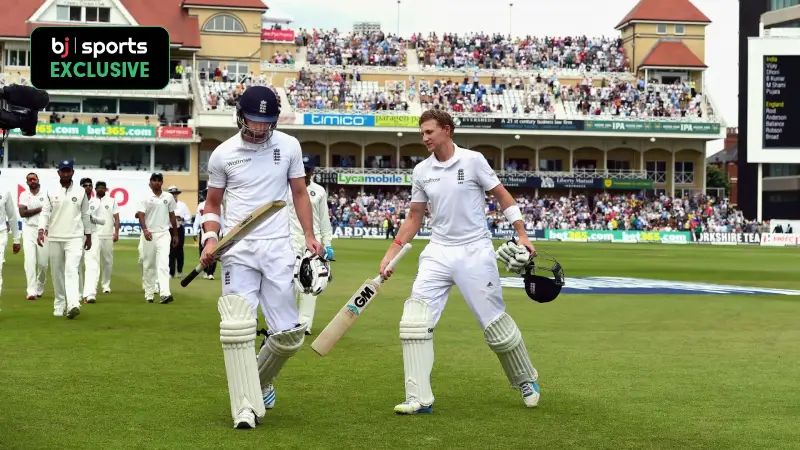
[[621, 174]]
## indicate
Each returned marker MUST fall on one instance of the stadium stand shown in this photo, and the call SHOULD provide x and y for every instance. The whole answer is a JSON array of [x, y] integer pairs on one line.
[[334, 48]]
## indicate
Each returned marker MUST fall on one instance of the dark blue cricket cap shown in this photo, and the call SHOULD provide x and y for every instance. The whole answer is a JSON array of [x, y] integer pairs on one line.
[[259, 104], [65, 164], [308, 163]]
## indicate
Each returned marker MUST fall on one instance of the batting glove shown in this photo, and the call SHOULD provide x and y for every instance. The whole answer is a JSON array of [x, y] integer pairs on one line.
[[329, 253], [516, 257]]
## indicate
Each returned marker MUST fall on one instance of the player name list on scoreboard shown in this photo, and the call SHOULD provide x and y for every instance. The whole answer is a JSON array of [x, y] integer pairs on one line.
[[782, 101]]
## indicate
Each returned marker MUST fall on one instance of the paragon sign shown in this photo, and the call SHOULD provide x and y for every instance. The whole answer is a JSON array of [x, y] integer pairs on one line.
[[109, 57]]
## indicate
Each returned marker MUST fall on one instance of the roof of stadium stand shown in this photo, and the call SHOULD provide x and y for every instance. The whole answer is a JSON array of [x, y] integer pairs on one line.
[[250, 4], [173, 15], [664, 11], [671, 54]]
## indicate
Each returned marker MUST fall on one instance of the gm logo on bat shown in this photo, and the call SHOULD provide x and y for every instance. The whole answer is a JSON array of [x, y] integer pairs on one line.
[[107, 57], [364, 297]]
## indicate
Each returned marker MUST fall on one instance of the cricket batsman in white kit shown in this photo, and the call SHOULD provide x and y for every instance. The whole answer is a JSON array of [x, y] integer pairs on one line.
[[452, 183], [101, 260], [253, 167], [8, 223], [307, 302], [65, 219], [36, 258], [156, 215]]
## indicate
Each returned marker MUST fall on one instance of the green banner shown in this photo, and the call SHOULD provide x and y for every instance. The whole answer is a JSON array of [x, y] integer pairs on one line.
[[673, 237], [396, 121], [82, 130], [651, 127], [636, 183], [374, 179]]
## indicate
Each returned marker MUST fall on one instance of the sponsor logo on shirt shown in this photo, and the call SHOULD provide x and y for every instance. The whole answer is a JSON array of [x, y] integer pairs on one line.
[[75, 199], [429, 180], [237, 162]]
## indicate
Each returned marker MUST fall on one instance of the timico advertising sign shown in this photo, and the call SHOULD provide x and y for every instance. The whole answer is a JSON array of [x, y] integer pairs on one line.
[[107, 57]]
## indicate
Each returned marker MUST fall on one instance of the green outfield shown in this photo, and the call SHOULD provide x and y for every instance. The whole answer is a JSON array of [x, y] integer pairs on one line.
[[616, 371]]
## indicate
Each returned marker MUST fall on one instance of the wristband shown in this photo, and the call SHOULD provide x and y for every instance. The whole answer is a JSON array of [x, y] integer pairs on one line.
[[211, 217], [398, 242], [208, 235], [512, 214]]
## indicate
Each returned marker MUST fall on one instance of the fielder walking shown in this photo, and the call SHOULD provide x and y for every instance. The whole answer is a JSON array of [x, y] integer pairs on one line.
[[36, 257], [256, 165], [183, 216], [65, 223], [8, 223], [100, 261], [322, 232], [452, 182], [156, 215]]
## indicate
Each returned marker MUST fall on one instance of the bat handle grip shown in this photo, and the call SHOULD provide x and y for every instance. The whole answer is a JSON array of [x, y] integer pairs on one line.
[[398, 256], [192, 275]]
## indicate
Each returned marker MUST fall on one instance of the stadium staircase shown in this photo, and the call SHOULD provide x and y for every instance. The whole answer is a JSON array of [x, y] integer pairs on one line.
[[411, 60], [301, 58]]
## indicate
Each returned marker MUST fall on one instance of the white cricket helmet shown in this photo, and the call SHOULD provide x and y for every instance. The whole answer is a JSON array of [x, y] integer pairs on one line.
[[311, 273]]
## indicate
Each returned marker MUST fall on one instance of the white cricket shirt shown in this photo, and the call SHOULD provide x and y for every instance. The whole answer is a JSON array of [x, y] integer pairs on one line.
[[253, 175], [156, 209], [455, 192], [32, 201], [8, 213], [65, 214], [182, 211], [319, 209], [105, 209]]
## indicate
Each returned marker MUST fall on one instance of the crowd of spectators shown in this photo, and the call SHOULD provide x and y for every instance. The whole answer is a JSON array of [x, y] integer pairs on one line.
[[480, 50], [335, 48], [581, 212], [634, 98], [223, 95], [337, 91]]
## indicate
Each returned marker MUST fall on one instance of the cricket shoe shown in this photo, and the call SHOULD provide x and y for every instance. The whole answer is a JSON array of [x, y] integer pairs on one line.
[[409, 407], [530, 393], [91, 299], [210, 276], [106, 291], [30, 297], [245, 420], [73, 312], [166, 299], [269, 396], [148, 299]]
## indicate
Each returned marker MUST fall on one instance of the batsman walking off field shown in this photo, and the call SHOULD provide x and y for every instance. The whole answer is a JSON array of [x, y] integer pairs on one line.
[[255, 166], [452, 182]]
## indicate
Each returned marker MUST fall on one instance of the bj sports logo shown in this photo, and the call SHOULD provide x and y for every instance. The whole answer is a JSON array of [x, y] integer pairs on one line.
[[107, 57]]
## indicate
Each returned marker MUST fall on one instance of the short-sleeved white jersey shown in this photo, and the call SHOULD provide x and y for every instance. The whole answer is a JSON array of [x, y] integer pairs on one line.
[[156, 209], [253, 175], [32, 201], [319, 210], [104, 208], [455, 192]]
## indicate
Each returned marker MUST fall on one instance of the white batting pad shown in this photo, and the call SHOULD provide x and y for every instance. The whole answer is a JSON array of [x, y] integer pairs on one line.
[[505, 339], [279, 347], [416, 336], [237, 332], [305, 308]]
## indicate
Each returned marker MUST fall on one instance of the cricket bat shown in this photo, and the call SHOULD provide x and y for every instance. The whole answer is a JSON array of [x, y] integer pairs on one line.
[[237, 233], [350, 312]]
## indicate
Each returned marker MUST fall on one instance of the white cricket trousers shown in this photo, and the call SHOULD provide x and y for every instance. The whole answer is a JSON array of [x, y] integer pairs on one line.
[[65, 260], [3, 243], [98, 260], [472, 268], [261, 271], [155, 264], [36, 260]]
